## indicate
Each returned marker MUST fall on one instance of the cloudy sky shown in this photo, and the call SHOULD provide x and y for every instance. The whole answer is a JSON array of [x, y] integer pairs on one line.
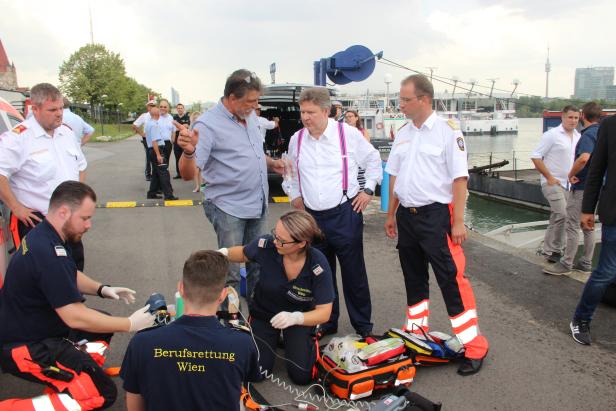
[[193, 45]]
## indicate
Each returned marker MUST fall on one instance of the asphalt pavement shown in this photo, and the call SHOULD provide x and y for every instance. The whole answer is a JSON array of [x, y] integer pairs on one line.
[[533, 363]]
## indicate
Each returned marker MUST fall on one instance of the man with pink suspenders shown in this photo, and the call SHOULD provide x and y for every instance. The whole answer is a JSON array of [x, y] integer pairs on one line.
[[326, 156]]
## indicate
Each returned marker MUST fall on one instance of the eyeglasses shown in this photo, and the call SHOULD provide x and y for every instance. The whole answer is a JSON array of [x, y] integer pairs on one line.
[[252, 76], [281, 242], [409, 99]]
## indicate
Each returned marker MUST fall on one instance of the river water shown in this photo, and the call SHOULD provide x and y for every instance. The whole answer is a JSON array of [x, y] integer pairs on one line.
[[482, 214]]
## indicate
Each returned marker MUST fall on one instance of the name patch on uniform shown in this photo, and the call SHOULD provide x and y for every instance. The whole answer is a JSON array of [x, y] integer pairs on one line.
[[317, 269], [262, 242], [460, 142], [60, 251]]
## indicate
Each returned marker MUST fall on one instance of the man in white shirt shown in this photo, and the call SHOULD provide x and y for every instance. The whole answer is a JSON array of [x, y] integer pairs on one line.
[[553, 158], [35, 157], [82, 130], [427, 190], [138, 127], [326, 155], [265, 124]]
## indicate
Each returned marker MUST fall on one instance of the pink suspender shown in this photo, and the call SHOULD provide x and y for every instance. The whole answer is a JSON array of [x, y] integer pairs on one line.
[[343, 150]]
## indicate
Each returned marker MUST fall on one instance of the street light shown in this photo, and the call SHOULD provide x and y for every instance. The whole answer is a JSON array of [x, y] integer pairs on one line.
[[118, 114]]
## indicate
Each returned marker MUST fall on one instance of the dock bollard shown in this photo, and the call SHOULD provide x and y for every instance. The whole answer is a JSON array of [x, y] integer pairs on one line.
[[385, 190]]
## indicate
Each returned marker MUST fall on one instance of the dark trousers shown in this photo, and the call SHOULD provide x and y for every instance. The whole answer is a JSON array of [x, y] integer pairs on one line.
[[299, 349], [344, 230], [167, 151], [20, 230], [177, 152], [160, 176], [148, 165], [28, 360]]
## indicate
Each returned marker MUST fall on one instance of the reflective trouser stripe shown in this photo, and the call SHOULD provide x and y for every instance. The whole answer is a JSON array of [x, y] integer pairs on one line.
[[47, 402], [417, 316]]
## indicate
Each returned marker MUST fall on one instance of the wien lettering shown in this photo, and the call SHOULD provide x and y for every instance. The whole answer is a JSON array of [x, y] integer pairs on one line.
[[184, 366]]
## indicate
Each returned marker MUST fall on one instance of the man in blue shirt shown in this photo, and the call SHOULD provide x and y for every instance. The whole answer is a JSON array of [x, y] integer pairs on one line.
[[194, 363], [83, 131], [231, 158], [155, 131], [591, 114]]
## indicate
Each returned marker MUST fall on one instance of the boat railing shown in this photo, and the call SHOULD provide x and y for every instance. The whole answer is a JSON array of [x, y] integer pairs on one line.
[[518, 160]]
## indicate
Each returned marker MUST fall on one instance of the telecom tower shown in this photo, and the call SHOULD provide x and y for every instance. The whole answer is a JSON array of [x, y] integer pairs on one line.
[[548, 68]]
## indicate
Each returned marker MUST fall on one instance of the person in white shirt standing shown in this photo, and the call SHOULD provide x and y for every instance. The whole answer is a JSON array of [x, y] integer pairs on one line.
[[35, 157], [138, 127], [82, 130], [326, 155], [553, 158], [265, 124]]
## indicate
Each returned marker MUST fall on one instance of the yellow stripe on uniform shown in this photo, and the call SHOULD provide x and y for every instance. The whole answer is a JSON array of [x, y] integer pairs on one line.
[[280, 199], [121, 204], [178, 203]]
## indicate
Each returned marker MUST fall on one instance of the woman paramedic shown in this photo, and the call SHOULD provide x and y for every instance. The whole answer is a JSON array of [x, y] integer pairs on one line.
[[294, 293]]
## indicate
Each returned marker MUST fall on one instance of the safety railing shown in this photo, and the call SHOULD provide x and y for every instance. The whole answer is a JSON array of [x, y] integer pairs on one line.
[[518, 160]]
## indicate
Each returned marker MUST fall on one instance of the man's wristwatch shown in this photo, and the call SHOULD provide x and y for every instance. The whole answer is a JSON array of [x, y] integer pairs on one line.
[[368, 191]]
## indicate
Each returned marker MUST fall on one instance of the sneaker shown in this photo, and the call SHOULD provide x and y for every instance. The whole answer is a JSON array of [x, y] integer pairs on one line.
[[554, 257], [584, 268], [580, 331], [556, 269]]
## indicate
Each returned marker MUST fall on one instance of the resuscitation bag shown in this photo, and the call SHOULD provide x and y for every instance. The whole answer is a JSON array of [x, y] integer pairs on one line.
[[353, 368]]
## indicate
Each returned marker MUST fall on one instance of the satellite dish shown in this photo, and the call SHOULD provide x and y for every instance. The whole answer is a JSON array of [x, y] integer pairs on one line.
[[356, 63]]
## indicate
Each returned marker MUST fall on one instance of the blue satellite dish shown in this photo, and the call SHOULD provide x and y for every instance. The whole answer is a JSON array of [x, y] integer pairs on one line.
[[356, 63]]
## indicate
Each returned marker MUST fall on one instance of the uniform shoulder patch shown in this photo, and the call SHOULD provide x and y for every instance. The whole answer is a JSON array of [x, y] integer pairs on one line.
[[60, 251], [262, 243], [317, 269], [19, 129], [453, 124], [460, 143]]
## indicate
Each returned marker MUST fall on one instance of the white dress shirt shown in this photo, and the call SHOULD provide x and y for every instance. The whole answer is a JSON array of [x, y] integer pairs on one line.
[[557, 150], [35, 163], [142, 119], [264, 125], [320, 166], [77, 124], [166, 126], [425, 162]]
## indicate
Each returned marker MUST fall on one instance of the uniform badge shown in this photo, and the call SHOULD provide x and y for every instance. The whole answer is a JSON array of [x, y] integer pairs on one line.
[[24, 246], [460, 142], [60, 251], [19, 129], [317, 269], [262, 242], [453, 124]]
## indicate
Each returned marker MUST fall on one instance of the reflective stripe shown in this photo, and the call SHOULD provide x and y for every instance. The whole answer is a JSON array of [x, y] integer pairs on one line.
[[42, 403], [467, 335], [463, 318], [418, 308], [96, 347], [413, 325], [69, 403]]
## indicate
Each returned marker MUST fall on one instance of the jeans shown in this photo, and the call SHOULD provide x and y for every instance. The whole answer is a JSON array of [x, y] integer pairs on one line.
[[232, 231], [602, 276], [555, 234]]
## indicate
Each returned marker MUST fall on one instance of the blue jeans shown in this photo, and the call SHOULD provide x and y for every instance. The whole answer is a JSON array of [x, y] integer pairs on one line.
[[602, 276], [232, 231]]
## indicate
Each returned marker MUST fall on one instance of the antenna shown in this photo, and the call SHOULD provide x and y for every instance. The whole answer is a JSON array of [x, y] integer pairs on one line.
[[91, 29], [548, 68], [432, 70], [472, 82], [356, 63], [515, 83]]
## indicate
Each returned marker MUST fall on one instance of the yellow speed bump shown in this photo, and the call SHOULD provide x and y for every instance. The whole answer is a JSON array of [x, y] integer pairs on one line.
[[280, 199], [121, 204], [178, 203]]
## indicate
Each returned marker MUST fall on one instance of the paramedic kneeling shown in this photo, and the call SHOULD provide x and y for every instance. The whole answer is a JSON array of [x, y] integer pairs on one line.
[[43, 319], [194, 363], [295, 292]]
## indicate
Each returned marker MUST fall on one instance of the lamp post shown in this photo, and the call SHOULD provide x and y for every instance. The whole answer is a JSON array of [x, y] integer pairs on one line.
[[118, 115]]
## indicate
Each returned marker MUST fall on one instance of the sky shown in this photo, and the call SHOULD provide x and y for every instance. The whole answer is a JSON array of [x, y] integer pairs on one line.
[[193, 45]]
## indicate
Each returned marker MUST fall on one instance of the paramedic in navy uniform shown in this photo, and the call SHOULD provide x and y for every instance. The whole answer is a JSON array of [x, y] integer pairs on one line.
[[429, 173], [194, 363], [293, 295], [326, 155]]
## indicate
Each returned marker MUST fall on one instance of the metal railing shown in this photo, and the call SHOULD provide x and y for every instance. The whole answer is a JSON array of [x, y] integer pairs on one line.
[[518, 160]]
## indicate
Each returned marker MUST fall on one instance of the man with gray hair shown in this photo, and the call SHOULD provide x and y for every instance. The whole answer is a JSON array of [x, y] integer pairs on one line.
[[35, 157], [331, 194], [231, 158]]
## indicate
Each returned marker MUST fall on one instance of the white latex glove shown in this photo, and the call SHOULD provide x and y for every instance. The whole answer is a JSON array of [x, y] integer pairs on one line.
[[286, 319], [141, 319], [224, 251], [116, 293]]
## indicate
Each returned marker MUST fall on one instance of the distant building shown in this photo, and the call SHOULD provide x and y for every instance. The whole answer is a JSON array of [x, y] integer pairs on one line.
[[610, 93], [592, 83], [175, 97], [8, 73]]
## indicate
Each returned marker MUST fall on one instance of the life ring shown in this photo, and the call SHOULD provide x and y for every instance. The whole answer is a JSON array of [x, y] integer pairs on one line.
[[379, 126]]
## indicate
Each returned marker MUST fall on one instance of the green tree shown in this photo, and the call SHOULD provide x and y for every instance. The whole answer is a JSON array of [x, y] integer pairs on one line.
[[91, 72]]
